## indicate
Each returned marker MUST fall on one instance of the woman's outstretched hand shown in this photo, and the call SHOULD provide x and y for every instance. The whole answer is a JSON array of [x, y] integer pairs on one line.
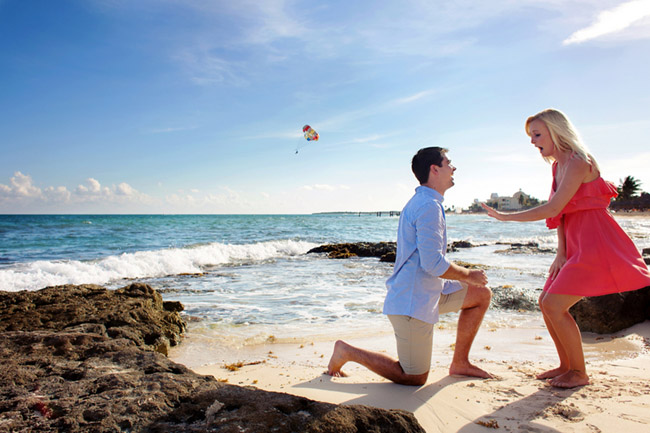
[[494, 213]]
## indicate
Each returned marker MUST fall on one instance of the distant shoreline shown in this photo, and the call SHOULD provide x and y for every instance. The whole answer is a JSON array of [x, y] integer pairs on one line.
[[623, 213], [632, 213]]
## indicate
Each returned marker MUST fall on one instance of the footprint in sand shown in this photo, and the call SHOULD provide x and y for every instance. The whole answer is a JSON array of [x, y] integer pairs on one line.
[[567, 412]]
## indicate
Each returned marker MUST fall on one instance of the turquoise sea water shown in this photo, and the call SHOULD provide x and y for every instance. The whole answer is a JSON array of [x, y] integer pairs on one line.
[[248, 276]]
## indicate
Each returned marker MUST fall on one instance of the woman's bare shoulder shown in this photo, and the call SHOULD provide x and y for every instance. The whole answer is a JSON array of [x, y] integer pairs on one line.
[[580, 168]]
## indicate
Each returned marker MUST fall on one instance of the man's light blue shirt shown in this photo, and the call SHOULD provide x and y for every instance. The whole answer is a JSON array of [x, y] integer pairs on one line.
[[415, 286]]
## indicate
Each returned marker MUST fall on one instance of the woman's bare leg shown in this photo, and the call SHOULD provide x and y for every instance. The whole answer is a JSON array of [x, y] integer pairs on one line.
[[564, 360], [556, 308]]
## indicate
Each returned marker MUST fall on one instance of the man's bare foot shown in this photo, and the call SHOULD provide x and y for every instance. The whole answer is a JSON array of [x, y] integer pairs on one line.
[[338, 359], [570, 379], [552, 373], [468, 369]]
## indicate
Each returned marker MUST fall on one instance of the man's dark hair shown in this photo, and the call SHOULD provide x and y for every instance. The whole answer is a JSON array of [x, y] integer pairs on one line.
[[423, 160]]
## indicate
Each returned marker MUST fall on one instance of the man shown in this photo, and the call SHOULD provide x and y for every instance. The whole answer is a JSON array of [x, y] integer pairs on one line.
[[424, 284]]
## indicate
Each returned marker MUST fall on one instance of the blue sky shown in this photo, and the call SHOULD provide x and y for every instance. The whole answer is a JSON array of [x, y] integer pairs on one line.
[[188, 106]]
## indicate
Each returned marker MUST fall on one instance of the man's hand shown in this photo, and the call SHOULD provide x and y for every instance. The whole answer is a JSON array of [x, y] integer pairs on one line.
[[477, 277]]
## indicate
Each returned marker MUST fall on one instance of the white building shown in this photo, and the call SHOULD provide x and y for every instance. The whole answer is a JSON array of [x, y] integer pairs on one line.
[[515, 202]]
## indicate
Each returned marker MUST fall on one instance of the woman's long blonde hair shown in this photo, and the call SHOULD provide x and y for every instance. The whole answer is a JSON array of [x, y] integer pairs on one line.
[[563, 133]]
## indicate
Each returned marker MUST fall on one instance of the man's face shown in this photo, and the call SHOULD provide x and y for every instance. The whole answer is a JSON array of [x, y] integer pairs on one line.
[[446, 173]]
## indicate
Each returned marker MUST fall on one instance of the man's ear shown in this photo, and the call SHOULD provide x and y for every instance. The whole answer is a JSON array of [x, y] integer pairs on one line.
[[433, 169]]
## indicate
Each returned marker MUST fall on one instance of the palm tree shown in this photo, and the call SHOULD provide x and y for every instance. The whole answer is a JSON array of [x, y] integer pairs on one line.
[[629, 188]]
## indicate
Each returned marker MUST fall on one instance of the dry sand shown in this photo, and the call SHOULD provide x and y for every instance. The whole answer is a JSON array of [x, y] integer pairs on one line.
[[618, 400]]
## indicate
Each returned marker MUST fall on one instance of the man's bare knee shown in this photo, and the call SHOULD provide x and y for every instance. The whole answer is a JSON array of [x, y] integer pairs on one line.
[[414, 379], [485, 295], [477, 296]]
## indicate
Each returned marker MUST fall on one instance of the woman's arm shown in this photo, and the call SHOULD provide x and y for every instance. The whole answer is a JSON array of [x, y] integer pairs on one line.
[[576, 172]]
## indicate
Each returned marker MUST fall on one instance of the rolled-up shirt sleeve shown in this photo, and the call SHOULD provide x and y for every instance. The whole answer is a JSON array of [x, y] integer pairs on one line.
[[431, 239]]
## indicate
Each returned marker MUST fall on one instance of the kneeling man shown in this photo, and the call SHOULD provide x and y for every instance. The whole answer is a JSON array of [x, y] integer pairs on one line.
[[424, 284]]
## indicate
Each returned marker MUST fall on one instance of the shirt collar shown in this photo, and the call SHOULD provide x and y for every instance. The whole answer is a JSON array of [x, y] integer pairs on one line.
[[430, 192]]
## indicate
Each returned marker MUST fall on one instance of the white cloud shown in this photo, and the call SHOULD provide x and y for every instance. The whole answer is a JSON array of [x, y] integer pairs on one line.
[[92, 190], [21, 187], [59, 194], [612, 21], [22, 192], [125, 189], [228, 200], [325, 187]]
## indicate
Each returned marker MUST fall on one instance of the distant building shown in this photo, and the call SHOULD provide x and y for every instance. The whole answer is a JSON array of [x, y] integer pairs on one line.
[[517, 201]]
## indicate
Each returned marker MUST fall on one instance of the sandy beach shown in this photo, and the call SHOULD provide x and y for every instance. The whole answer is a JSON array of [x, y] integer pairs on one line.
[[617, 400]]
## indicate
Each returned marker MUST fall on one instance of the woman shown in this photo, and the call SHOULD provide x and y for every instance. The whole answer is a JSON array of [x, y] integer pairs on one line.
[[594, 255]]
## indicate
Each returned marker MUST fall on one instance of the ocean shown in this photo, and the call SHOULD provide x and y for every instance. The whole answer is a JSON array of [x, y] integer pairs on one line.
[[247, 279]]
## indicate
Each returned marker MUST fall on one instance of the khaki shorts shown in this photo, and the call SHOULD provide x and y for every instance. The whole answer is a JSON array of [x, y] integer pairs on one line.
[[415, 338]]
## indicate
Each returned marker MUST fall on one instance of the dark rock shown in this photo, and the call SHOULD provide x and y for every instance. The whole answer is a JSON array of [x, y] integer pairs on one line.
[[359, 249], [69, 374], [136, 312], [510, 298], [461, 244], [612, 313], [384, 250], [388, 257], [527, 248], [173, 306], [454, 246]]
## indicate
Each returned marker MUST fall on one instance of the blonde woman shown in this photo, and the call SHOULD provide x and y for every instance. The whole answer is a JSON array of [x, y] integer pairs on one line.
[[594, 255]]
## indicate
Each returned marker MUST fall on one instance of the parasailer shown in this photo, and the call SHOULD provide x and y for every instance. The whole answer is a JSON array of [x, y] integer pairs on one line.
[[309, 133]]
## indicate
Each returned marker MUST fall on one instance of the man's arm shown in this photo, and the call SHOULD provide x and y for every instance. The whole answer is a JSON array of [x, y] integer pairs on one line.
[[475, 277], [430, 239], [430, 227]]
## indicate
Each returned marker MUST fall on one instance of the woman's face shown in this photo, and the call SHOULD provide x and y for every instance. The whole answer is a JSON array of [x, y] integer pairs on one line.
[[540, 136]]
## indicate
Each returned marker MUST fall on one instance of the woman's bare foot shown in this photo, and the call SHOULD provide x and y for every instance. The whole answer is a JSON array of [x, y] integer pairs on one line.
[[338, 359], [552, 373], [468, 369], [570, 379]]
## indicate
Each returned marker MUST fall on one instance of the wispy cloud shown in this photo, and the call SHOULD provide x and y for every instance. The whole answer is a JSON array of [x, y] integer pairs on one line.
[[352, 116], [412, 98], [205, 67], [612, 21], [324, 187], [171, 129]]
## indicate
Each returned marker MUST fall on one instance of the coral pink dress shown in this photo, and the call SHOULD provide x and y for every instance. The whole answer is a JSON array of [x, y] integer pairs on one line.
[[601, 258]]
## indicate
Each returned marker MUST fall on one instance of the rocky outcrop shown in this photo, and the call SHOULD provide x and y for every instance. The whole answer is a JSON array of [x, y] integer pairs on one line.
[[358, 249], [511, 298], [136, 312], [384, 250], [527, 248], [612, 313], [89, 361]]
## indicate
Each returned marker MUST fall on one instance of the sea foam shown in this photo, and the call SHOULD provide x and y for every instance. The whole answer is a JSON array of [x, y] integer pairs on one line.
[[144, 264]]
